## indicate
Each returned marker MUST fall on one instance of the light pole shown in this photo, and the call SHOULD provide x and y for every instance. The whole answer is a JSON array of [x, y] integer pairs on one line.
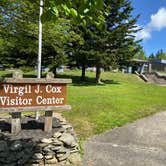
[[39, 48]]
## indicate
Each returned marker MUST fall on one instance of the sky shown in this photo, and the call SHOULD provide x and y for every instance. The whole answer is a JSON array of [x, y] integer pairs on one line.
[[152, 20]]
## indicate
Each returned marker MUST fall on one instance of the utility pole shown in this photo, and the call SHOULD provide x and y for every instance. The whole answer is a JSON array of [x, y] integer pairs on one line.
[[39, 49]]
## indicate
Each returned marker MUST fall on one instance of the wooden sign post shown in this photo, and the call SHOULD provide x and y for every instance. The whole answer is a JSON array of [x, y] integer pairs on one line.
[[31, 94]]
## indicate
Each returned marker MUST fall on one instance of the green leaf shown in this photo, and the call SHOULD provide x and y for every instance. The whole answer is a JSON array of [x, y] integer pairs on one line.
[[66, 9], [55, 11], [73, 12], [86, 10], [99, 4]]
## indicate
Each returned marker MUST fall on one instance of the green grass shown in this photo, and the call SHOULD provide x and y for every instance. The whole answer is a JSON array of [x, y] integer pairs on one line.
[[122, 99], [5, 73]]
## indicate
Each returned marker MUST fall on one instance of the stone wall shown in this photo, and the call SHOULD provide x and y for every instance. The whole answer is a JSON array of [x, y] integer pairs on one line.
[[61, 149]]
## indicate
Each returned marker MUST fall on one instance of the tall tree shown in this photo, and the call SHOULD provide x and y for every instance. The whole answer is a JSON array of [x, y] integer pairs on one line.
[[152, 56], [140, 55], [20, 31], [161, 54], [116, 41]]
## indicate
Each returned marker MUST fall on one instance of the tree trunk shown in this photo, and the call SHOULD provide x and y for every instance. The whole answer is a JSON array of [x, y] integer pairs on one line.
[[83, 73], [55, 73], [98, 73]]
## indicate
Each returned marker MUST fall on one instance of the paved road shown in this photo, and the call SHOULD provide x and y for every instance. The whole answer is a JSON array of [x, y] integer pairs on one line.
[[142, 143]]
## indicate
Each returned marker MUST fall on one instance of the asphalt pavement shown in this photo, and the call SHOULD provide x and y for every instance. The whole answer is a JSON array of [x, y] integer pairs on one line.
[[142, 143]]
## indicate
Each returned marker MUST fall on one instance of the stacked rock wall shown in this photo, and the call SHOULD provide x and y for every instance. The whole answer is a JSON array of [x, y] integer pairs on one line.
[[61, 149]]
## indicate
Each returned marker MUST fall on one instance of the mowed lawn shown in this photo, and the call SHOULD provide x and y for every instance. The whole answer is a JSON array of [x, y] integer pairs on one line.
[[122, 99]]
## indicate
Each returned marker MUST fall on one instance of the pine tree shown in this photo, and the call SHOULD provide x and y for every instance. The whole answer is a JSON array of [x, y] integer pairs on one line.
[[114, 43], [160, 54]]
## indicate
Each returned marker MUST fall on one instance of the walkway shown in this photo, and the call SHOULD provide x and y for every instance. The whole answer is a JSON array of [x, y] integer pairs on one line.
[[142, 143]]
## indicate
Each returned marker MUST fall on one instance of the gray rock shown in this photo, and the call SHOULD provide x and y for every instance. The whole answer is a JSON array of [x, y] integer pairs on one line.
[[16, 146], [56, 124], [49, 156], [4, 154], [29, 151], [37, 156], [63, 163], [59, 155], [59, 116], [34, 165], [12, 157], [57, 143], [3, 146], [74, 150], [34, 161], [46, 140], [68, 163], [22, 161], [75, 159], [1, 135], [9, 164], [63, 156], [68, 139], [55, 148], [3, 120], [19, 155], [74, 145], [48, 149], [57, 134], [2, 160], [63, 122], [62, 150], [67, 127], [62, 130], [51, 161], [40, 146], [29, 144]]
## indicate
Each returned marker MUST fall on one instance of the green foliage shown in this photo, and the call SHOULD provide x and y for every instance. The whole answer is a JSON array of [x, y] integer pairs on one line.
[[140, 55], [82, 12], [115, 43], [18, 33], [19, 42], [26, 69], [88, 44], [159, 55]]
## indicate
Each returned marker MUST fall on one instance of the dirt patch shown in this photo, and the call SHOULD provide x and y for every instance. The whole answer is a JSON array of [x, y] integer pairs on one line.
[[155, 79]]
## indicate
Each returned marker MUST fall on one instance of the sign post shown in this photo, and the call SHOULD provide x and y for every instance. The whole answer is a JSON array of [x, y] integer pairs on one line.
[[28, 94]]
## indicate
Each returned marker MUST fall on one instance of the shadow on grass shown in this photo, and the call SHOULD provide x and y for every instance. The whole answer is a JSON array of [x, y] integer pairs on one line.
[[27, 75], [7, 75], [89, 81]]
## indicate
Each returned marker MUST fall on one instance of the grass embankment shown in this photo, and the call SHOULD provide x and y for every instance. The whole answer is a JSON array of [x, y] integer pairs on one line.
[[122, 99]]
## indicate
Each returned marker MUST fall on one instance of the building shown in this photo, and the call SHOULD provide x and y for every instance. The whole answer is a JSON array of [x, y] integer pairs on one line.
[[158, 65], [145, 66]]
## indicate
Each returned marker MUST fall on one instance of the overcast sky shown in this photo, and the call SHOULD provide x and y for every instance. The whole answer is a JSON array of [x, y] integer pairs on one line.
[[153, 23]]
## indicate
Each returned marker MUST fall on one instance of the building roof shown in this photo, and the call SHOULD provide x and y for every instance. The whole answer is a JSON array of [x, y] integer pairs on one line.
[[159, 61], [139, 61]]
